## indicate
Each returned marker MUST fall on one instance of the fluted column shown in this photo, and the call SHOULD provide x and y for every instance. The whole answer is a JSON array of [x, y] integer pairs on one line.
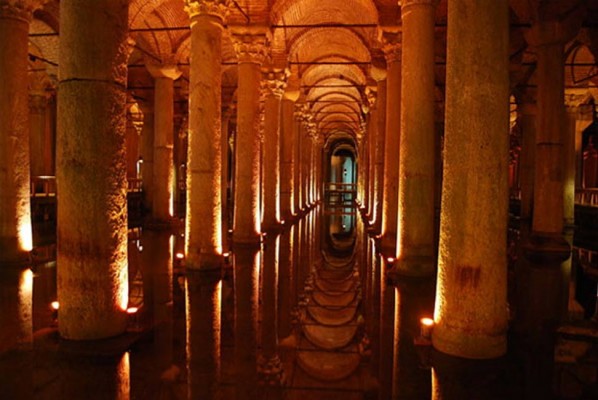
[[273, 84], [415, 241], [203, 246], [287, 162], [163, 174], [471, 304], [15, 214], [91, 169], [392, 51]]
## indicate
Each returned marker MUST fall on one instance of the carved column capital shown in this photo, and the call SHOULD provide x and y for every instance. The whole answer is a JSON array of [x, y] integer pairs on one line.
[[371, 94], [274, 81], [19, 9], [390, 39], [250, 46], [164, 70], [218, 9]]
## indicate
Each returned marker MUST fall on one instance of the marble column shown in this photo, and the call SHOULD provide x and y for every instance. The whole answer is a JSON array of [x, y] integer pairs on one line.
[[547, 244], [163, 191], [415, 241], [372, 135], [251, 48], [380, 76], [15, 214], [287, 149], [203, 230], [38, 102], [273, 84], [471, 304], [92, 206], [392, 51]]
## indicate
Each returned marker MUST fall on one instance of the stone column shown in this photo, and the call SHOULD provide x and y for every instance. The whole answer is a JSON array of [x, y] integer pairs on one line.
[[527, 121], [203, 246], [147, 152], [392, 51], [297, 130], [546, 241], [287, 163], [471, 304], [380, 76], [251, 51], [91, 169], [38, 102], [163, 200], [372, 134], [415, 241], [273, 84], [15, 213]]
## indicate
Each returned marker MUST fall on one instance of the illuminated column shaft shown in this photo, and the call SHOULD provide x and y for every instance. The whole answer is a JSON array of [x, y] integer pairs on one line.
[[297, 130], [38, 103], [415, 241], [163, 177], [372, 138], [527, 121], [547, 221], [471, 304], [287, 164], [251, 51], [204, 208], [15, 217], [380, 76], [273, 83], [147, 152], [91, 169], [391, 151]]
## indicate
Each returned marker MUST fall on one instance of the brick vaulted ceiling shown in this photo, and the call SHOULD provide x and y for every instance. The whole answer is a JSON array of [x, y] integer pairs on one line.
[[329, 45]]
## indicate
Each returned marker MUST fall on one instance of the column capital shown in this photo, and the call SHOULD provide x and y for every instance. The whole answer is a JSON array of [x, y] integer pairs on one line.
[[390, 40], [218, 9], [274, 81], [19, 9], [377, 73], [371, 93], [251, 44], [165, 70]]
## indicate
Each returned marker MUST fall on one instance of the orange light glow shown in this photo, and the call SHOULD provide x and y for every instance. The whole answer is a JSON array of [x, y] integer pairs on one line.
[[132, 310], [426, 325], [55, 305], [427, 321], [390, 260], [180, 256]]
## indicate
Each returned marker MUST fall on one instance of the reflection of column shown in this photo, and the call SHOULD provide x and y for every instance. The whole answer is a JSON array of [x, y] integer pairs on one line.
[[414, 300], [392, 52], [285, 283], [203, 332], [387, 315], [15, 214], [471, 304], [16, 333], [273, 85], [164, 75], [92, 227], [415, 241]]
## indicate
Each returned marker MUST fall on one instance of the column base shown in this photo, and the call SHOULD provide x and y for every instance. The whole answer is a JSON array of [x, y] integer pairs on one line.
[[467, 344], [546, 249], [11, 257]]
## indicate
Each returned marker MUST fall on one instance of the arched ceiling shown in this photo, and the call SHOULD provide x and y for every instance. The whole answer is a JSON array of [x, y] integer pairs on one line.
[[329, 45]]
